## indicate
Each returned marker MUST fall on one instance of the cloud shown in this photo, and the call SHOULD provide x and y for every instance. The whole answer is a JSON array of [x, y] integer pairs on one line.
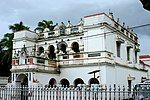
[[133, 15], [144, 41], [32, 11]]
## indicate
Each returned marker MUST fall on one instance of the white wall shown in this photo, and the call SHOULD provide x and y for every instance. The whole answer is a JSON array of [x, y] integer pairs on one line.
[[94, 43], [96, 18], [78, 72], [44, 78], [24, 33], [119, 74]]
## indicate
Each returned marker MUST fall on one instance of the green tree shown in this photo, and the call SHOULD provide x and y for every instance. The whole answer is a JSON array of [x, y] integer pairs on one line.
[[18, 26], [6, 46], [44, 25]]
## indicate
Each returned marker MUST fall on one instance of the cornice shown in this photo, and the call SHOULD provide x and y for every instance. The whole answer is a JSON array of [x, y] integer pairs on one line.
[[101, 64], [25, 38], [35, 70], [60, 37]]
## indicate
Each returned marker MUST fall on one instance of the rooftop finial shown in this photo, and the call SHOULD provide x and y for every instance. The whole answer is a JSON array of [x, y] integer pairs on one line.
[[109, 10], [123, 24], [81, 22], [118, 20], [56, 27], [62, 28], [62, 25], [69, 24], [111, 14]]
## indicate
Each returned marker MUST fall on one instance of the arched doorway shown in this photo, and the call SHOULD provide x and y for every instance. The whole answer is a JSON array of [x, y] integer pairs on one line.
[[62, 46], [40, 51], [64, 82], [78, 81], [52, 82], [93, 81], [51, 54], [75, 47], [22, 79], [22, 82]]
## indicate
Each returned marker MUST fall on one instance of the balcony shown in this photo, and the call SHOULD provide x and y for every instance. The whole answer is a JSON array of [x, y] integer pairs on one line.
[[34, 63], [74, 30], [41, 36], [86, 58], [51, 34]]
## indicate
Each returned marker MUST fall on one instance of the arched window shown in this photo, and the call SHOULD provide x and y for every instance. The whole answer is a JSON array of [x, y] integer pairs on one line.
[[75, 47], [51, 54], [78, 81], [22, 79], [40, 50], [93, 81], [52, 82], [64, 82], [62, 46]]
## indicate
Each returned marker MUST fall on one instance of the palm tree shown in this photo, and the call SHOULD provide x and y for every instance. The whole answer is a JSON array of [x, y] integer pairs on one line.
[[18, 26], [6, 46], [6, 54], [44, 25]]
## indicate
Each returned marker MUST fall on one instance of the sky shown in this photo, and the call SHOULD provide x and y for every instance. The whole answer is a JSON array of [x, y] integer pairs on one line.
[[30, 12]]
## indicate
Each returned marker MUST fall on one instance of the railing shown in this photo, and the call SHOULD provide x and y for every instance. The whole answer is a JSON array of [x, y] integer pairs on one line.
[[74, 29], [71, 93], [86, 58], [34, 62], [61, 32]]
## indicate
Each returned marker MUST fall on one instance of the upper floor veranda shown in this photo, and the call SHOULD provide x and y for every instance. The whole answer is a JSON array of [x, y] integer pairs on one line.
[[63, 30]]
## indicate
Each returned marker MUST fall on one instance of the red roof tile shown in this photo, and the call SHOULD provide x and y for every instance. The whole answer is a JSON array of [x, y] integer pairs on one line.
[[144, 56]]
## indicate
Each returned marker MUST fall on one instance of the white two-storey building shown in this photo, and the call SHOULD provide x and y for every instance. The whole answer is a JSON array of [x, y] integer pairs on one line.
[[97, 50]]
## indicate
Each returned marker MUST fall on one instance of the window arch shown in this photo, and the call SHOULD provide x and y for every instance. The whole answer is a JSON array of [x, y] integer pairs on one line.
[[52, 82], [51, 54], [22, 79], [78, 81], [64, 82], [40, 50], [93, 81], [75, 47], [62, 46]]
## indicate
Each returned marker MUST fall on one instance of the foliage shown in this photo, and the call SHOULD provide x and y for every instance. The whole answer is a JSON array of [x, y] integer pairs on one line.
[[6, 54], [6, 46], [17, 27], [44, 25]]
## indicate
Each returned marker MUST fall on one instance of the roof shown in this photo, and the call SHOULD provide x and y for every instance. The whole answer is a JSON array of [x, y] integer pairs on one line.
[[144, 56], [94, 15]]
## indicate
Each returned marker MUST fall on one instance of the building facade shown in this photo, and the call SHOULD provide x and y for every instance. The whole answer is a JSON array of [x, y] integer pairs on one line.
[[98, 50]]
